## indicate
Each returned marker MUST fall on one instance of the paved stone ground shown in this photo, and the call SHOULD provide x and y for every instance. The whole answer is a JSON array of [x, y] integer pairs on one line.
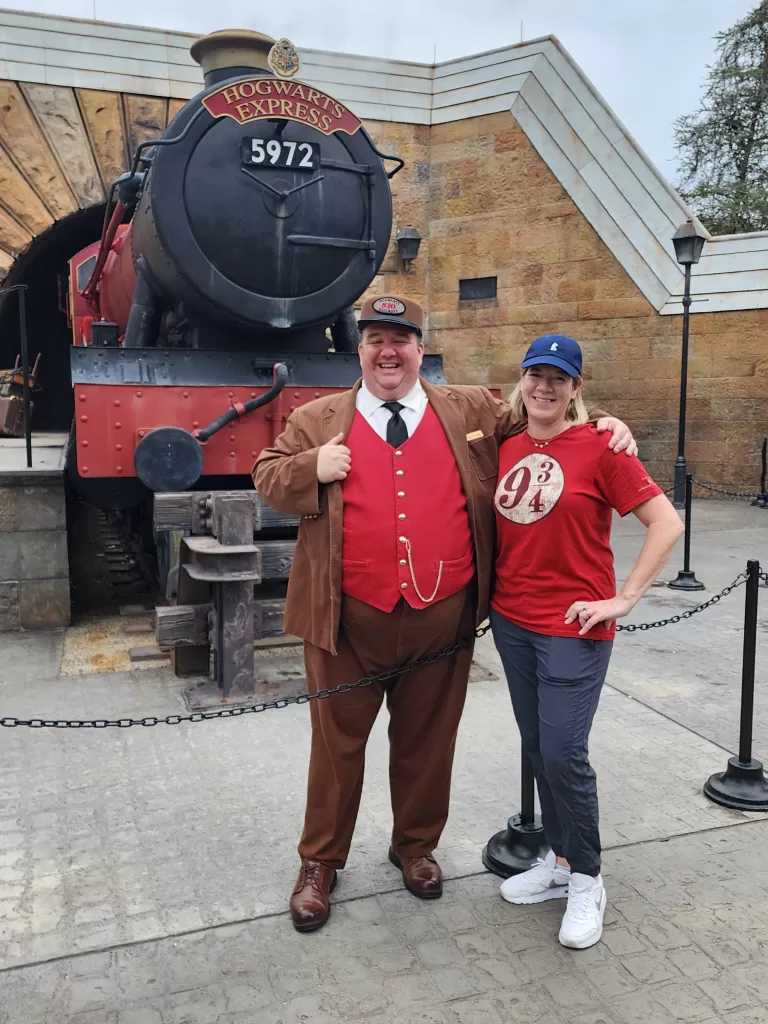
[[144, 873]]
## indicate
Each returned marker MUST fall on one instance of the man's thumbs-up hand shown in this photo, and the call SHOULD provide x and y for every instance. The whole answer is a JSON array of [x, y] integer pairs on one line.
[[333, 460]]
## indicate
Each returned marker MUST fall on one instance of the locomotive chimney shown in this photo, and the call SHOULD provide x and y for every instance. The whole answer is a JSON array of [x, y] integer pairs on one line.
[[230, 53]]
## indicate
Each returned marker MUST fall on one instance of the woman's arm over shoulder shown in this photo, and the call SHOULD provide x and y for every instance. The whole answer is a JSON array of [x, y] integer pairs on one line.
[[285, 475], [621, 439]]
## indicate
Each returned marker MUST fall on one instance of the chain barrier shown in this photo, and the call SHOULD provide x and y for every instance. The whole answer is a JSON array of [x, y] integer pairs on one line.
[[253, 709], [9, 722], [729, 494], [740, 580]]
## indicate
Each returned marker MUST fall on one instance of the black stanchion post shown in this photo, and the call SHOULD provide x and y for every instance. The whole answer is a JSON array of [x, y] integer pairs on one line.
[[522, 842], [743, 784], [22, 291], [686, 579], [762, 499]]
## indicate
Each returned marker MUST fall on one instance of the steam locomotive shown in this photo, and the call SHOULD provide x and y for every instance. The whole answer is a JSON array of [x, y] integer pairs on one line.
[[231, 254], [218, 299]]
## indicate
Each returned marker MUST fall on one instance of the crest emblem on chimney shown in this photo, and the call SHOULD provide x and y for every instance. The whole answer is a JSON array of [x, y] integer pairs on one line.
[[284, 58]]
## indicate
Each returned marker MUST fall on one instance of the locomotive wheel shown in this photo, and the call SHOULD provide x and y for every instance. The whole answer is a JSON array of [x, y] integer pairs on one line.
[[168, 459]]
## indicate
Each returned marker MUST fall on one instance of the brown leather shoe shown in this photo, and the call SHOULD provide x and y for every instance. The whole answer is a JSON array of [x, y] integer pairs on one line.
[[309, 901], [422, 875]]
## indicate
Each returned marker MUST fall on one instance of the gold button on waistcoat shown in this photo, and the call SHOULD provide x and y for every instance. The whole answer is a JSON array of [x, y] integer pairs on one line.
[[398, 453], [401, 494], [403, 561], [402, 539], [400, 472], [403, 586], [401, 516]]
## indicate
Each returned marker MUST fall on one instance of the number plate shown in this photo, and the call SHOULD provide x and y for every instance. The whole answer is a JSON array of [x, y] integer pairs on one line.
[[298, 156]]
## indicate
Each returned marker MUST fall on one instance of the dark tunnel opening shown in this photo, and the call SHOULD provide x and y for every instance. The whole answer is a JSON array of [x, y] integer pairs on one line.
[[40, 268]]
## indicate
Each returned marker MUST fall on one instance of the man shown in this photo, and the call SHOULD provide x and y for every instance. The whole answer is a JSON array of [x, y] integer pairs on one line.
[[393, 562]]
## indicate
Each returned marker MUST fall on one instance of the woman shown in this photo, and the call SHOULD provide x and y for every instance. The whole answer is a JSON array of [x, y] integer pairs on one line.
[[554, 607]]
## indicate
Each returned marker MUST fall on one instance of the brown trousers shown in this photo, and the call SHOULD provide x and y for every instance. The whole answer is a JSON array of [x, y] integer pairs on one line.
[[424, 705]]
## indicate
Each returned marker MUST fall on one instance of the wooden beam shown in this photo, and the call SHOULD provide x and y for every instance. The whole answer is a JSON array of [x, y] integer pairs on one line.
[[13, 237], [20, 199], [187, 625], [23, 138], [58, 114], [145, 117], [185, 511], [174, 106], [104, 122], [182, 625]]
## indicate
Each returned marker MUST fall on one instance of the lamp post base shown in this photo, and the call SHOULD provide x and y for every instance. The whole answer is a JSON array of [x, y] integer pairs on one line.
[[517, 848], [742, 785], [686, 580]]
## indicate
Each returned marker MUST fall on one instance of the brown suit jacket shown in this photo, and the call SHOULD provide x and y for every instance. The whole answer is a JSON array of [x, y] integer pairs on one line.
[[286, 478]]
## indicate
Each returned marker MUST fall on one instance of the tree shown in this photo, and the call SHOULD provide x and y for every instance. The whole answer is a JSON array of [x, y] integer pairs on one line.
[[723, 147]]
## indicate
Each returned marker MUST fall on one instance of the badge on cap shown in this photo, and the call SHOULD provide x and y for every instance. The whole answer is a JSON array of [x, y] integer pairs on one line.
[[392, 307]]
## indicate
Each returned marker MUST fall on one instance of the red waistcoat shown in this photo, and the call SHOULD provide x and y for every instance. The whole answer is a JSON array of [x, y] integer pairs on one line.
[[406, 528]]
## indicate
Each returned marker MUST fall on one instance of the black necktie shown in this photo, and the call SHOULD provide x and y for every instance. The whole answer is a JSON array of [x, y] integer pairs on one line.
[[397, 432]]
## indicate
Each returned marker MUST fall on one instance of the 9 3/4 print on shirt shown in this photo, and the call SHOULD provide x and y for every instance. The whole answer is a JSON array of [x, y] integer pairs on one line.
[[531, 489]]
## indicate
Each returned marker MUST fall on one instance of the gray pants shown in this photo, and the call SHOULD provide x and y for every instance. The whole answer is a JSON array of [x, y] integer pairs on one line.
[[555, 684]]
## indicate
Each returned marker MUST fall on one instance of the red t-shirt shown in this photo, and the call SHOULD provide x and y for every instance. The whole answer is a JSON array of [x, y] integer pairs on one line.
[[554, 507]]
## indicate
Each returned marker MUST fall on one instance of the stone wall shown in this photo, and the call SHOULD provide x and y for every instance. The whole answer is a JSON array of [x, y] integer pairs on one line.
[[34, 569], [487, 205]]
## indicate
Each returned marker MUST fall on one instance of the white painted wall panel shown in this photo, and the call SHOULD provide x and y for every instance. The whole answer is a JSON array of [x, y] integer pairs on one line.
[[415, 88], [739, 281], [478, 108], [582, 89], [663, 194], [462, 65], [756, 242], [480, 91], [558, 120], [719, 302], [481, 76], [645, 243], [715, 262]]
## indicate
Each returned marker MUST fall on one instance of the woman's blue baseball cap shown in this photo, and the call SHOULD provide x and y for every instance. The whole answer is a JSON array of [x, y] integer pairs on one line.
[[555, 350]]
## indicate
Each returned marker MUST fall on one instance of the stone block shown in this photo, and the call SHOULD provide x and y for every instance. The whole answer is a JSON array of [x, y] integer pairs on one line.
[[9, 556], [640, 369], [9, 606], [40, 508], [725, 366], [7, 509], [43, 604], [599, 308], [41, 555]]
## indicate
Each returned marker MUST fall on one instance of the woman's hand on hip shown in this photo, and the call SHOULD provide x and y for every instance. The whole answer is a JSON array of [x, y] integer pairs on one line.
[[589, 613]]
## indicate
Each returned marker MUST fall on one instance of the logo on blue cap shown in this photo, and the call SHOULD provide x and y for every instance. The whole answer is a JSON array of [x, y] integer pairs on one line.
[[555, 350]]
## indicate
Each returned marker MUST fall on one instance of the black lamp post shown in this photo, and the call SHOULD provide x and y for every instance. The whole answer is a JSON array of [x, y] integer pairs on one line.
[[688, 242], [408, 241]]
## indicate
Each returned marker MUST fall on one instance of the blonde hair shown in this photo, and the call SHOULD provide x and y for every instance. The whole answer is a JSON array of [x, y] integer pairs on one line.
[[576, 413]]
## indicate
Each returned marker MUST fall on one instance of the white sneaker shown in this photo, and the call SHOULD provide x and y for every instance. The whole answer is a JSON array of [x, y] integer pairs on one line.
[[582, 924], [547, 880]]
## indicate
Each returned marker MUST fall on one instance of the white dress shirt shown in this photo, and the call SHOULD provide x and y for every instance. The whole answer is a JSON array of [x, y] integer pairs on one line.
[[372, 408]]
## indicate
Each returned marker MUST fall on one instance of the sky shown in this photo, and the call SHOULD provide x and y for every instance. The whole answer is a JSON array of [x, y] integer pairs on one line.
[[648, 58]]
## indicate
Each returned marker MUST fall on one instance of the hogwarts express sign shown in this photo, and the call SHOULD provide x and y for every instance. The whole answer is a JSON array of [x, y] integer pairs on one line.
[[261, 99]]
